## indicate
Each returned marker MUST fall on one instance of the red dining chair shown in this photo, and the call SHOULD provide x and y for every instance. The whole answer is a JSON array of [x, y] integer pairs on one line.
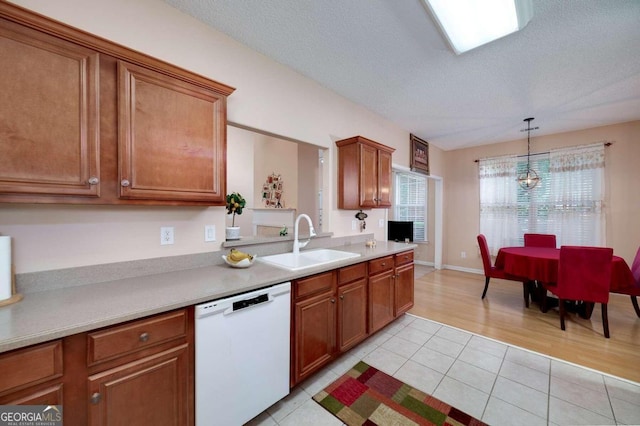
[[633, 291], [540, 240], [635, 271], [584, 274], [491, 271]]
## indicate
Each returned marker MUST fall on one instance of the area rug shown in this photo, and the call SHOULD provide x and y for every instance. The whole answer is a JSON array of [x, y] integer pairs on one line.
[[367, 396]]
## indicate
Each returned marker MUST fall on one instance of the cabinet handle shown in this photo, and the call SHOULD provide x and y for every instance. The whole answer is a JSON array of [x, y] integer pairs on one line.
[[96, 398], [384, 264], [333, 300], [125, 182], [93, 180], [342, 297], [144, 337]]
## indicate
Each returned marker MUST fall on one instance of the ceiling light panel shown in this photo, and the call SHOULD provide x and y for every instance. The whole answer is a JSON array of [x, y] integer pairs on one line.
[[468, 24]]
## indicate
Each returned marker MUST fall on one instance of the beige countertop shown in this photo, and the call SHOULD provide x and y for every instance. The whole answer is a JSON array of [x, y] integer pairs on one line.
[[46, 315]]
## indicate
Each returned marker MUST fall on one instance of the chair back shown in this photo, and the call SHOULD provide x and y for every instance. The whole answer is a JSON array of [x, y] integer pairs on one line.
[[584, 273], [635, 267], [540, 240], [484, 253]]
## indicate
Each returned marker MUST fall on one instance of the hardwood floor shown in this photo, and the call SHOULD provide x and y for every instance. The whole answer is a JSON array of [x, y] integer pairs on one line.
[[453, 298]]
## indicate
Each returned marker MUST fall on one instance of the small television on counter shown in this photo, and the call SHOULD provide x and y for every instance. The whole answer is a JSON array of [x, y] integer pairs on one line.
[[400, 231]]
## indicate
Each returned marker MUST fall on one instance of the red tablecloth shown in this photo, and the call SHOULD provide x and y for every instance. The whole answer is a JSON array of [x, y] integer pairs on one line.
[[541, 264]]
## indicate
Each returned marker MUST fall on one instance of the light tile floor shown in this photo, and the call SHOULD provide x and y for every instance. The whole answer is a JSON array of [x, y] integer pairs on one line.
[[493, 381]]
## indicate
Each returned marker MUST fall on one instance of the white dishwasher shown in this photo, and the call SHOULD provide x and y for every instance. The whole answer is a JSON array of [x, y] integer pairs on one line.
[[242, 355]]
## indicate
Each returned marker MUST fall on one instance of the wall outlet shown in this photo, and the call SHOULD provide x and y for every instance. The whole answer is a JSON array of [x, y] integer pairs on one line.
[[354, 225], [380, 223], [209, 233], [463, 254], [166, 235]]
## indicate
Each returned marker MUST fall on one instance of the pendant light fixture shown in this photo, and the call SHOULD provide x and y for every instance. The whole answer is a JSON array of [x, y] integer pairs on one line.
[[529, 178]]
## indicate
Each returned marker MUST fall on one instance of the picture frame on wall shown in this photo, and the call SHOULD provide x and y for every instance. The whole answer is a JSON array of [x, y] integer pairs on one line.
[[419, 155]]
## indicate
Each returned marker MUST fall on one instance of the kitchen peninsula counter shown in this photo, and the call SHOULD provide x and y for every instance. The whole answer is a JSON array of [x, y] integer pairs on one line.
[[50, 314]]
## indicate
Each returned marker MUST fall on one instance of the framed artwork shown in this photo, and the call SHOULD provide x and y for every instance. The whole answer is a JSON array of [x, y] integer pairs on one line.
[[273, 192], [419, 155]]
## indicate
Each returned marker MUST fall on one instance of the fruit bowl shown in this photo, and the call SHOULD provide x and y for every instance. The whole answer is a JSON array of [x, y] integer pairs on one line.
[[244, 263]]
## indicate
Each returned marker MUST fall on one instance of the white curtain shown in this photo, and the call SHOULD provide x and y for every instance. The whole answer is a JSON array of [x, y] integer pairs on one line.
[[577, 195], [499, 201]]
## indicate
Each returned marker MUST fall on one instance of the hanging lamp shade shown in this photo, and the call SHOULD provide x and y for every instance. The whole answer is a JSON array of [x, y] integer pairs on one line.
[[529, 178]]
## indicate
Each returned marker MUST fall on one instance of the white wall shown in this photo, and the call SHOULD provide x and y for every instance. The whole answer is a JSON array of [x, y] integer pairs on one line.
[[269, 97]]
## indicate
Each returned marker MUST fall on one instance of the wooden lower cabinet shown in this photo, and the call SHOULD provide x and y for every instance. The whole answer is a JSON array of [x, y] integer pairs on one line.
[[352, 314], [315, 330], [329, 317], [381, 293], [141, 372], [381, 300], [137, 373], [404, 289], [352, 306], [313, 324], [33, 375], [150, 391], [335, 310]]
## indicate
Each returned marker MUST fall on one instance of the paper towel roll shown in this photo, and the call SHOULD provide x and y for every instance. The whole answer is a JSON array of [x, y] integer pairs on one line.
[[5, 267]]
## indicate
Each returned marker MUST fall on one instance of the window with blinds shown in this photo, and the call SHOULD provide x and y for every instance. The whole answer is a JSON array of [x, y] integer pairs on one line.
[[411, 202], [566, 204], [534, 205]]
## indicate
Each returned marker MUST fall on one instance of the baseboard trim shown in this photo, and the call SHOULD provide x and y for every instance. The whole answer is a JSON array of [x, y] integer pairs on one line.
[[462, 269]]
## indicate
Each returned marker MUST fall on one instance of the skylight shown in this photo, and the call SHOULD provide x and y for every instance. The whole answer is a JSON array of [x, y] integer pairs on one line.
[[468, 24]]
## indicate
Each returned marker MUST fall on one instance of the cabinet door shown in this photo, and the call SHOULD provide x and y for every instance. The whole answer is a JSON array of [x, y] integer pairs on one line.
[[368, 176], [48, 115], [381, 300], [151, 391], [315, 331], [384, 178], [404, 289], [352, 314], [171, 138], [32, 376]]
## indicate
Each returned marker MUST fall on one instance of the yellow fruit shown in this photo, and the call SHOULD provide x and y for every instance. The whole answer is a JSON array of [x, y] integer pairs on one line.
[[236, 256]]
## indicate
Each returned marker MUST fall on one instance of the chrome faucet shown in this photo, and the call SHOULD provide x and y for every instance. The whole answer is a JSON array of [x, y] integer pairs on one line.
[[312, 233]]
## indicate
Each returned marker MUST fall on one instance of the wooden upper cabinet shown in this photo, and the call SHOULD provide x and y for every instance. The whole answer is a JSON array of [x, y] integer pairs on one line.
[[48, 115], [364, 173], [87, 121], [171, 138]]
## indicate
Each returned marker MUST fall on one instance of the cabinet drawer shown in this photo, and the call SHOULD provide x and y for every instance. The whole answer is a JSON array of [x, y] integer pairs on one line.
[[134, 336], [379, 265], [26, 367], [352, 273], [314, 285], [405, 257]]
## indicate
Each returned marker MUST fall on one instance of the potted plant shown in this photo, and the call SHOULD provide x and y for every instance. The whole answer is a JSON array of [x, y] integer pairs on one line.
[[235, 204]]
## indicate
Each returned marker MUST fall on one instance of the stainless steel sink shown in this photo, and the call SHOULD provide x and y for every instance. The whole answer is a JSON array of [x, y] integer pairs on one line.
[[306, 259]]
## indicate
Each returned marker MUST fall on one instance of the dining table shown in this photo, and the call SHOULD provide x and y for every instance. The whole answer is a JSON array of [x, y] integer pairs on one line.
[[540, 265]]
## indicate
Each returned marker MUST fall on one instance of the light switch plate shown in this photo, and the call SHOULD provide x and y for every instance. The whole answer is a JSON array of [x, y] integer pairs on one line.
[[380, 223], [209, 233]]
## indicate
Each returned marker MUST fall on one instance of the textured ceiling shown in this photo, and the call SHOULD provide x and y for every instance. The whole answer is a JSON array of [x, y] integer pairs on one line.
[[575, 65]]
